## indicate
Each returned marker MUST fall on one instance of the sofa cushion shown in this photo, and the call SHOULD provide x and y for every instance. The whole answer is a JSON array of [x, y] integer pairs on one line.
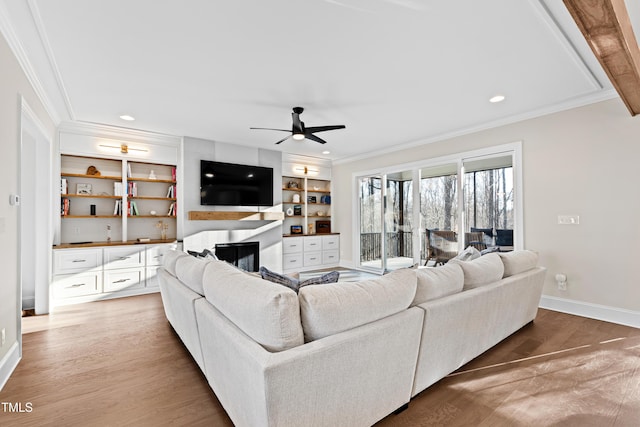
[[267, 312], [190, 271], [481, 271], [518, 261], [329, 309], [438, 282], [169, 260]]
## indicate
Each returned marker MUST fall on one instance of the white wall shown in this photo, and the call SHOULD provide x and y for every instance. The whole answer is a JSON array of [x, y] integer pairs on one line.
[[583, 162], [199, 235], [13, 85]]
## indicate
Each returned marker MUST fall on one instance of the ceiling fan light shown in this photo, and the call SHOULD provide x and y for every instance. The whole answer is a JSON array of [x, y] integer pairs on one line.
[[298, 136]]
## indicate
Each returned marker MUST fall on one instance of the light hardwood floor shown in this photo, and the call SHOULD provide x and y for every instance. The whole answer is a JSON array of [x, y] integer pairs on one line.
[[118, 362]]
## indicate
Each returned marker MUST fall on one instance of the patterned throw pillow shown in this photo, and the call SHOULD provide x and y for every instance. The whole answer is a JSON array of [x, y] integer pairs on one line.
[[295, 284]]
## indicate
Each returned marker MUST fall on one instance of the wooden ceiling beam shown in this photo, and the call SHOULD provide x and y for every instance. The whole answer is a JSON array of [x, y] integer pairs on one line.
[[606, 26]]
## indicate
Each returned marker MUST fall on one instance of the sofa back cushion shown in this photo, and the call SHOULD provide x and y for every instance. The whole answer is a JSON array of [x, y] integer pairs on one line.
[[438, 282], [518, 261], [190, 271], [332, 308], [481, 271], [169, 260], [267, 312]]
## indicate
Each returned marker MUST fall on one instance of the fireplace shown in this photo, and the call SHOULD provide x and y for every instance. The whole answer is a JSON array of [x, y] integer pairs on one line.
[[245, 255]]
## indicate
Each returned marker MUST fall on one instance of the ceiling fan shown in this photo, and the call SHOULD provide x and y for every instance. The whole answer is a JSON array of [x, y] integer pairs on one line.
[[300, 132]]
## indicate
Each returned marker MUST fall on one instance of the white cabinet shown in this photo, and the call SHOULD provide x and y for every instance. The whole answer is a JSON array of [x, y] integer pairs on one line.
[[93, 273], [310, 252]]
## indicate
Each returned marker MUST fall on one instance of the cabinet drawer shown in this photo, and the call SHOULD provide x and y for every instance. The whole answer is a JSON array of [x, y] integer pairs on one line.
[[312, 258], [292, 245], [155, 254], [119, 280], [75, 285], [330, 242], [67, 261], [312, 244], [292, 261], [330, 257], [127, 256]]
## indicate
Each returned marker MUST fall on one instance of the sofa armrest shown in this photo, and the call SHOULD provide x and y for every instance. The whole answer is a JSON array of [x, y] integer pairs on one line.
[[356, 377], [460, 327]]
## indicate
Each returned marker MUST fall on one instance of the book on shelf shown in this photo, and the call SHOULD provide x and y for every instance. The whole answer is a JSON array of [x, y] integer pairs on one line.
[[64, 186], [171, 192], [117, 189], [128, 170], [172, 209], [132, 189], [117, 209], [173, 174], [64, 206]]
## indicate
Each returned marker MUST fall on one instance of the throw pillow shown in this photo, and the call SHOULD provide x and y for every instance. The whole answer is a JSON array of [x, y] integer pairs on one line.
[[438, 282], [468, 254], [481, 271], [295, 284], [518, 261], [280, 279]]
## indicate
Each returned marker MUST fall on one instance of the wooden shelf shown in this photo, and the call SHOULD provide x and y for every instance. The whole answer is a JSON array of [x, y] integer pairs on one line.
[[82, 175], [91, 196], [235, 216], [151, 216], [112, 243], [165, 181], [89, 216], [171, 199]]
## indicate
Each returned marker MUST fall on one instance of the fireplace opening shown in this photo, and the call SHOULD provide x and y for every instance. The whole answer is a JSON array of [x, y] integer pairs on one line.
[[245, 255]]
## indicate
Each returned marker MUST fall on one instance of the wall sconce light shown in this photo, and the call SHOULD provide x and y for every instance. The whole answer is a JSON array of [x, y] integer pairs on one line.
[[124, 148], [305, 170]]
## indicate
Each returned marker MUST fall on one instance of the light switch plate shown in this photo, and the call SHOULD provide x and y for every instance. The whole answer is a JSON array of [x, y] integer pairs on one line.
[[568, 219]]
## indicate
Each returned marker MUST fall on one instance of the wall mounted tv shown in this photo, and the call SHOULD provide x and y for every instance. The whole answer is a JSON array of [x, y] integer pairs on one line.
[[231, 184]]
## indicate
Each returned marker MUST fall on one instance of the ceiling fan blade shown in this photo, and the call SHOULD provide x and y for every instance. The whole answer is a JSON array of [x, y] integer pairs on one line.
[[283, 130], [315, 129], [314, 138], [283, 139]]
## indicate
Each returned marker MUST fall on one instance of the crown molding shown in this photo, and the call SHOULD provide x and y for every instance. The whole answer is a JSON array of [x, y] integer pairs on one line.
[[128, 134], [8, 31]]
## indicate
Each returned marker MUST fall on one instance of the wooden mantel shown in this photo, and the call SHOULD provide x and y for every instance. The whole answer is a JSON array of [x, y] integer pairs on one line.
[[235, 216]]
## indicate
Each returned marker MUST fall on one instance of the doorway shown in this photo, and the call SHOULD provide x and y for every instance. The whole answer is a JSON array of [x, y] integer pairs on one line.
[[36, 201]]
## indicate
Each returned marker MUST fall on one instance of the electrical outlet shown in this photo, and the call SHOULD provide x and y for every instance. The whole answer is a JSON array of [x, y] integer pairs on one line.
[[4, 337], [568, 219]]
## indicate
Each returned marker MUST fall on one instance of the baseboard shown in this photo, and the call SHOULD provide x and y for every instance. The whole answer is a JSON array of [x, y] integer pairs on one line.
[[8, 364], [592, 311], [28, 303]]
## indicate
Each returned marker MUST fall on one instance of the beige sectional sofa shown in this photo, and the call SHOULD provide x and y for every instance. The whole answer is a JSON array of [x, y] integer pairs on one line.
[[348, 353]]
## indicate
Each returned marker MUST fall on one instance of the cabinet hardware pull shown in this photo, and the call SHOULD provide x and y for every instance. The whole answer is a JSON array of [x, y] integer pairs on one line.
[[312, 259], [76, 285], [121, 280], [79, 260], [122, 258]]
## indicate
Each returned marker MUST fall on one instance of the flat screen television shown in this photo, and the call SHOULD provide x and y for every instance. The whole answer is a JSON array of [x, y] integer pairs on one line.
[[232, 184]]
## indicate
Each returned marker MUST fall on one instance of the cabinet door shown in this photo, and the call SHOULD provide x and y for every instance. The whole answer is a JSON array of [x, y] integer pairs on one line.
[[123, 257], [68, 261], [151, 280], [292, 245], [75, 285], [123, 279]]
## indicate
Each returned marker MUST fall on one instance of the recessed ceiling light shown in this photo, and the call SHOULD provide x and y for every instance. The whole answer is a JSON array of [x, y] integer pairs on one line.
[[127, 117], [326, 152], [497, 98]]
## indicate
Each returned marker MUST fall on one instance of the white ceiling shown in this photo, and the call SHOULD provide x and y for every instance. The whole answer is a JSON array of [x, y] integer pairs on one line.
[[395, 72]]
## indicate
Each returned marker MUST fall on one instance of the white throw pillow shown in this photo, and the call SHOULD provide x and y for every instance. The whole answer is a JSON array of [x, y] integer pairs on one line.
[[438, 282], [518, 261], [169, 260], [190, 271], [481, 271], [332, 308], [267, 312]]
